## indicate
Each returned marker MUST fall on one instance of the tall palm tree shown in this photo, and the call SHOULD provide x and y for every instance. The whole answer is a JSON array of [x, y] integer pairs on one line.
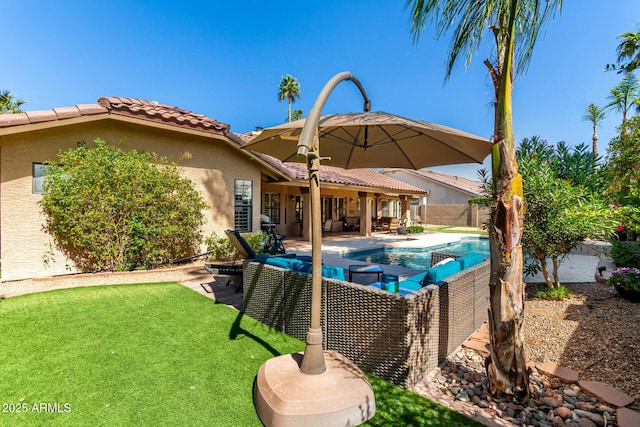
[[595, 115], [624, 97], [289, 89], [513, 26], [629, 51], [9, 105]]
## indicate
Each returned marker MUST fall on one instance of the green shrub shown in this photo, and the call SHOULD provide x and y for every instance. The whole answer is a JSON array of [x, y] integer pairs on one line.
[[416, 229], [221, 248], [625, 254], [557, 293], [113, 210]]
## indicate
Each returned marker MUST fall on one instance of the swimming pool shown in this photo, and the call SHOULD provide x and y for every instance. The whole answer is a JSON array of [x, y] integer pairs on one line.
[[419, 258]]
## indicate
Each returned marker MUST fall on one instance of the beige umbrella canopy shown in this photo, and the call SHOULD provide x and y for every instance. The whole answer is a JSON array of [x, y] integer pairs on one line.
[[375, 140]]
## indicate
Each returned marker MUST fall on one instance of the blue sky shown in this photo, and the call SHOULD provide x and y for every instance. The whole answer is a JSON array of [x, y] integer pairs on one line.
[[225, 59]]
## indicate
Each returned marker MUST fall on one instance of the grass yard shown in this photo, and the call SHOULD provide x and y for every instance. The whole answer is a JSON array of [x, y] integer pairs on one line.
[[150, 355]]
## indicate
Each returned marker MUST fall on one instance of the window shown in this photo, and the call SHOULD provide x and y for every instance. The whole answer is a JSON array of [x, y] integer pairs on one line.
[[243, 204], [298, 209], [37, 172], [340, 204], [384, 211], [272, 207], [326, 211]]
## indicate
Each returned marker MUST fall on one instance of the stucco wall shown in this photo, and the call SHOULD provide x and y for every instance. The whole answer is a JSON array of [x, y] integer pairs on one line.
[[460, 214], [213, 167]]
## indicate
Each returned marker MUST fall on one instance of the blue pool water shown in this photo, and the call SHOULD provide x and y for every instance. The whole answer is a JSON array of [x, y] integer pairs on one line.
[[419, 258]]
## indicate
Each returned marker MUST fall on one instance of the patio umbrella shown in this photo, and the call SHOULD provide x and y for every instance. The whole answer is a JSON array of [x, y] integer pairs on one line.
[[375, 139], [354, 140]]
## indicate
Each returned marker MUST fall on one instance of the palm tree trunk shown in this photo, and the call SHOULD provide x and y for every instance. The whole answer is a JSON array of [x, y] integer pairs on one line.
[[506, 364], [594, 145]]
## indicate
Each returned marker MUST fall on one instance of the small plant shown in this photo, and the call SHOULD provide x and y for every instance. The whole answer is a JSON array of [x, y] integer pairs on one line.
[[625, 277], [625, 253], [555, 294], [415, 229]]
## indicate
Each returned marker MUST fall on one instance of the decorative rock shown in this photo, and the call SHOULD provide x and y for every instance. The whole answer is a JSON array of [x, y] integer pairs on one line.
[[462, 396], [483, 403], [586, 422], [597, 419], [550, 401], [564, 413]]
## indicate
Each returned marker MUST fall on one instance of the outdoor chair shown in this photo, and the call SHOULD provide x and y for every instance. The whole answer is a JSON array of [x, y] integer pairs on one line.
[[245, 251], [393, 225], [328, 226]]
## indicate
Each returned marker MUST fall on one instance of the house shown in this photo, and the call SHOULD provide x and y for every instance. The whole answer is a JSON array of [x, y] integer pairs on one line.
[[447, 202], [237, 185]]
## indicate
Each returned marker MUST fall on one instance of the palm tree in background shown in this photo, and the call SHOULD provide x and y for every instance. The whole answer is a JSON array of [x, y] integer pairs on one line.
[[513, 26], [628, 52], [289, 89], [625, 96], [595, 115], [296, 114], [10, 105]]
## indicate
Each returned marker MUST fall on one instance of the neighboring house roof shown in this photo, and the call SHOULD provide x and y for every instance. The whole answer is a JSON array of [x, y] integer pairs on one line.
[[473, 188]]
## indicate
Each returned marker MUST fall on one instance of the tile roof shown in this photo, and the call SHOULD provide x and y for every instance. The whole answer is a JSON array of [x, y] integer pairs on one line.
[[154, 111], [131, 107], [29, 117], [458, 182], [366, 178]]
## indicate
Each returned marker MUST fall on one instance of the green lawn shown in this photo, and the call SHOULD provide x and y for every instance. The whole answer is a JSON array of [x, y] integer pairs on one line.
[[150, 355]]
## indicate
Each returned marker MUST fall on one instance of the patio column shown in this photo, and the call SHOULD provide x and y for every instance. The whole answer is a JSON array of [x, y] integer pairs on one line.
[[306, 214], [365, 213], [406, 210]]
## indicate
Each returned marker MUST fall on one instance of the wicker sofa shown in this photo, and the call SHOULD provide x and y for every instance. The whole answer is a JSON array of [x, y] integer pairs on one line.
[[399, 338]]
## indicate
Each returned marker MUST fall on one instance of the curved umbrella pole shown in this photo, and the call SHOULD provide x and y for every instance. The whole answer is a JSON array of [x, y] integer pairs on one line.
[[308, 146]]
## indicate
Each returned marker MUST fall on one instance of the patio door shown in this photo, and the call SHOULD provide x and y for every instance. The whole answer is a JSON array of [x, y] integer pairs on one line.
[[326, 204]]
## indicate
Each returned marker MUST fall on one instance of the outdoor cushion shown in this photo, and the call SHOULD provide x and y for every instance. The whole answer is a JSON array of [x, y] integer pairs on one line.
[[328, 271], [443, 262], [418, 278], [470, 259], [401, 290], [288, 263], [410, 285], [436, 274]]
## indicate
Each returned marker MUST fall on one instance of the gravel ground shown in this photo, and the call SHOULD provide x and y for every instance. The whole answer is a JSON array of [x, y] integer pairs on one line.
[[594, 332]]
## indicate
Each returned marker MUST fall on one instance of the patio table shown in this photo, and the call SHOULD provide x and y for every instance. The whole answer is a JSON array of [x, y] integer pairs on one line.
[[365, 269]]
